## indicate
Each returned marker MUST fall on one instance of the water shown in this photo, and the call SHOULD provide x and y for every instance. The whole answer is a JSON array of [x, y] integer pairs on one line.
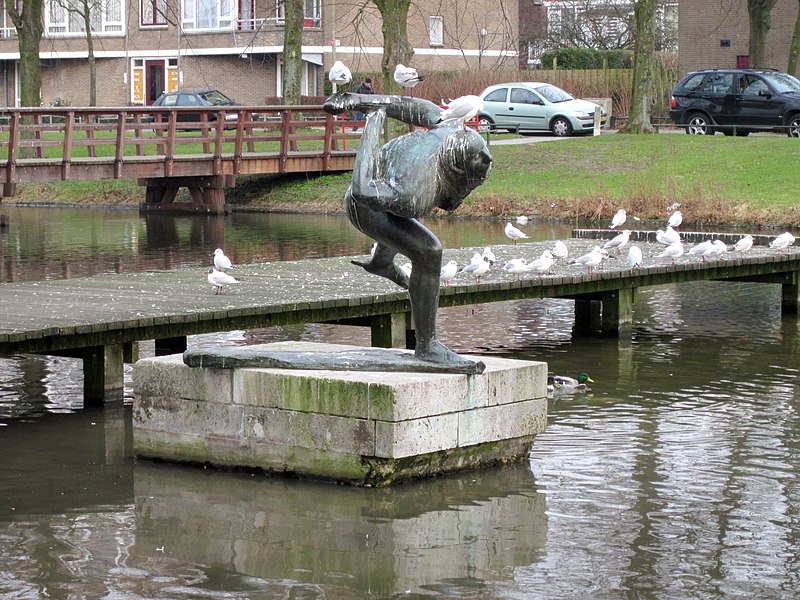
[[675, 476]]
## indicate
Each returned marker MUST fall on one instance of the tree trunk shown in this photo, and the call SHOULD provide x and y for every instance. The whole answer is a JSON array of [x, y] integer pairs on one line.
[[794, 47], [759, 12], [29, 26], [87, 24], [643, 68], [396, 49], [293, 13]]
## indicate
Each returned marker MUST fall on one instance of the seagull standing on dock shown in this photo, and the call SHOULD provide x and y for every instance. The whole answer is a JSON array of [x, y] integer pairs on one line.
[[668, 236], [542, 264], [703, 249], [559, 250], [487, 252], [218, 280], [514, 233], [407, 77], [672, 252], [340, 74], [592, 259], [618, 219], [635, 257], [477, 268], [782, 242], [516, 266], [221, 262], [618, 241], [448, 272], [744, 244], [462, 109]]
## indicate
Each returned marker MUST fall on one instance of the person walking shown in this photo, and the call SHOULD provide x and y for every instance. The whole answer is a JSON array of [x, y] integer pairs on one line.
[[365, 87]]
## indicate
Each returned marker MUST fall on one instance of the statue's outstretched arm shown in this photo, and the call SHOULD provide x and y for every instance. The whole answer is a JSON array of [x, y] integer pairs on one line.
[[414, 111]]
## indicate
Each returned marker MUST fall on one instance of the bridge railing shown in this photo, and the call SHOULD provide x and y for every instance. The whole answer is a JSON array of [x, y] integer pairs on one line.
[[122, 135]]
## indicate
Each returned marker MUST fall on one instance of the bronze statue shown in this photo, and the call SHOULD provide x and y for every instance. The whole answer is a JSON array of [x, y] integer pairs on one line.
[[396, 183]]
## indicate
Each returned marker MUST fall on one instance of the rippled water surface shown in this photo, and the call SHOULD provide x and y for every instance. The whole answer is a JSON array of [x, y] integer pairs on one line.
[[674, 476]]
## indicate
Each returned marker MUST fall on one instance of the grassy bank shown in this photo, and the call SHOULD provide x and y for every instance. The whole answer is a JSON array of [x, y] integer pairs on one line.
[[722, 180]]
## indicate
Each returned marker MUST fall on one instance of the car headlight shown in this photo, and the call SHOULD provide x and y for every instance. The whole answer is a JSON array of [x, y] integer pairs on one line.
[[582, 115]]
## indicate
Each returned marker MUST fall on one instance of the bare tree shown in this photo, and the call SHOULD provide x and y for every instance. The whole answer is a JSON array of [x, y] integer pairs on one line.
[[84, 10], [644, 62], [396, 48], [293, 13], [30, 26], [794, 47], [760, 13]]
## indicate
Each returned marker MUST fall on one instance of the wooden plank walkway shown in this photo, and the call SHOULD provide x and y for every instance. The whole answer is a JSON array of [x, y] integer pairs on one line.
[[99, 318]]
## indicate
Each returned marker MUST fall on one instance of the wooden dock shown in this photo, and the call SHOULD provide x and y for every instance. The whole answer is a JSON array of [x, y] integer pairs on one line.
[[100, 318]]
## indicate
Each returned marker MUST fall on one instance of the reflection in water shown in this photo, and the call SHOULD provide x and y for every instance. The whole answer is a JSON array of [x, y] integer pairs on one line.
[[675, 476]]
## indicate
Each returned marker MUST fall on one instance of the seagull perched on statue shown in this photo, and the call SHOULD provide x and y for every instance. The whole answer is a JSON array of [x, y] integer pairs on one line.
[[407, 77], [221, 262], [340, 74], [514, 233], [462, 109], [218, 280]]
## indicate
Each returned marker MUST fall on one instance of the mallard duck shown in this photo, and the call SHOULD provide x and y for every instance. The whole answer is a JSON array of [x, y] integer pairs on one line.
[[568, 384]]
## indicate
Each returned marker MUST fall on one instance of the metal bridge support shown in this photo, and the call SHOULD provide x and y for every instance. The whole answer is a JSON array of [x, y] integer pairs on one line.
[[207, 193]]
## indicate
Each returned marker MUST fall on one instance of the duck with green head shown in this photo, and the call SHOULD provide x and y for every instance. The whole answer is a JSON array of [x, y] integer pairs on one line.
[[562, 383]]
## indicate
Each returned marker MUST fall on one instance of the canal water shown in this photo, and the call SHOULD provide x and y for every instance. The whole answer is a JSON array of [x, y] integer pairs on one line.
[[675, 476]]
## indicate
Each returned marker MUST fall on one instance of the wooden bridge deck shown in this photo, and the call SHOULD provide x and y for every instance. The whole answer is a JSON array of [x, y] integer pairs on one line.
[[99, 318]]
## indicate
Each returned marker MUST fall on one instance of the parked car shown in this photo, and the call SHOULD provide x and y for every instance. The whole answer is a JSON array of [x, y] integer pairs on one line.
[[737, 101], [533, 106], [202, 98]]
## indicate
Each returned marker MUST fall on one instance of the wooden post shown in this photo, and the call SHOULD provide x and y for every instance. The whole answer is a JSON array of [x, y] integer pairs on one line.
[[103, 374], [587, 315], [389, 331], [790, 296], [617, 313]]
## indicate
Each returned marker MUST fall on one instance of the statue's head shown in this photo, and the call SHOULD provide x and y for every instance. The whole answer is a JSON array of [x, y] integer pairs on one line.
[[464, 156]]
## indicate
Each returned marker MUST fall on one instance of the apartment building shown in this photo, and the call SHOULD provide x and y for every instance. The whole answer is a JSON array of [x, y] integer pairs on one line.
[[717, 34], [144, 47]]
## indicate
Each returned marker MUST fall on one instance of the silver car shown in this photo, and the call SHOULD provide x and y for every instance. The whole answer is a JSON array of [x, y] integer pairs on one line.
[[534, 106]]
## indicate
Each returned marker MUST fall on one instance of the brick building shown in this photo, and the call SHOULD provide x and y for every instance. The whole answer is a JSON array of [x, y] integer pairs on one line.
[[716, 34], [143, 47]]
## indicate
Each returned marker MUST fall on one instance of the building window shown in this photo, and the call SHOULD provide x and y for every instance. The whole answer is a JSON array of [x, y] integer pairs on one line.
[[436, 31], [208, 14], [64, 17], [154, 13], [312, 13]]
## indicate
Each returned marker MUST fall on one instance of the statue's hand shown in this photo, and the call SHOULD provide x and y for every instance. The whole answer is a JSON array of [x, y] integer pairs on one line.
[[337, 104]]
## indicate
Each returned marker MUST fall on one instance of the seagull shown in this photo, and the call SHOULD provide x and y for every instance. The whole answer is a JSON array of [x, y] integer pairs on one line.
[[448, 272], [487, 252], [514, 233], [221, 262], [592, 259], [516, 266], [407, 76], [718, 247], [521, 220], [542, 264], [462, 109], [560, 250], [783, 241], [406, 268], [672, 251], [673, 206], [617, 242], [477, 268], [618, 219], [635, 257], [340, 74], [218, 279], [744, 244], [675, 219], [703, 249], [668, 236]]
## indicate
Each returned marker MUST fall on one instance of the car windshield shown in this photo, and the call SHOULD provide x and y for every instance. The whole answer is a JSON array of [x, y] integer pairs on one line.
[[215, 97], [783, 83], [554, 94]]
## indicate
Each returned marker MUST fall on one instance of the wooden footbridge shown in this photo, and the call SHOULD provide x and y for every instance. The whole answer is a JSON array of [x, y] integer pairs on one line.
[[165, 149], [100, 319]]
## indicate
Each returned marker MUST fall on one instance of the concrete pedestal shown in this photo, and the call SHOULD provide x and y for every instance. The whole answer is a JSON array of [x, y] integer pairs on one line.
[[364, 428]]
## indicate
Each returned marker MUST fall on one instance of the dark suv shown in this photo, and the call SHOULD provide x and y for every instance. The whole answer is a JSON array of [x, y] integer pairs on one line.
[[737, 101]]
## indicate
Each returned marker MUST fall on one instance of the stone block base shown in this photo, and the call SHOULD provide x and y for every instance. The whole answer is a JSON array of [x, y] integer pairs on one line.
[[365, 428]]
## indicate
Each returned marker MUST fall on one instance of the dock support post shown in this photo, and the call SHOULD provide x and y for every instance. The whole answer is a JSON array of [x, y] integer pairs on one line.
[[103, 374], [389, 331], [617, 313], [587, 315], [790, 296]]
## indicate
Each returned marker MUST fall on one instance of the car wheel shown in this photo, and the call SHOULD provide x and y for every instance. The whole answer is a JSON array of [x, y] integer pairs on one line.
[[794, 126], [699, 124], [485, 124], [560, 127]]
